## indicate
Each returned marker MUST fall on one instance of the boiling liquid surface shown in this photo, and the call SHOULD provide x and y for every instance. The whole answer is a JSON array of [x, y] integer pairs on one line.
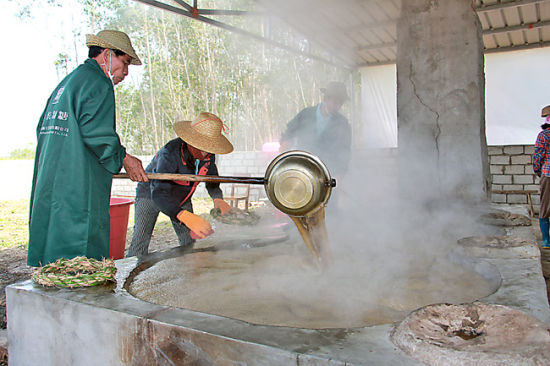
[[280, 285]]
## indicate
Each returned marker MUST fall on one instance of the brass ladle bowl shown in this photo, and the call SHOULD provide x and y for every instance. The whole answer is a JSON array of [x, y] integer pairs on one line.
[[298, 183]]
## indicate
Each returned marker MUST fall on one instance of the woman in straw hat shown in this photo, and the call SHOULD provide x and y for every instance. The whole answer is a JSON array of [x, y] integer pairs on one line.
[[193, 152], [77, 154]]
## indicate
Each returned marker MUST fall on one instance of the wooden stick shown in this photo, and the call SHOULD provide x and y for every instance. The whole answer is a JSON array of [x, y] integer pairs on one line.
[[199, 178]]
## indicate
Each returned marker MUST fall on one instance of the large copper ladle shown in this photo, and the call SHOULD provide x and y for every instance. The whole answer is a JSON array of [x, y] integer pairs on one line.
[[297, 183]]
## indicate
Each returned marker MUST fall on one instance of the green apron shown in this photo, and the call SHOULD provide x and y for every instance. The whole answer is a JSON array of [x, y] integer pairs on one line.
[[77, 154]]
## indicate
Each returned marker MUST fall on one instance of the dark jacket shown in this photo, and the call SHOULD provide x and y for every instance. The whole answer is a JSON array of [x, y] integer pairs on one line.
[[332, 146], [175, 158]]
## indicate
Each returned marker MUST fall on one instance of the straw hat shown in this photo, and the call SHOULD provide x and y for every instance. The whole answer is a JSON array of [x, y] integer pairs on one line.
[[114, 40], [545, 111], [204, 133], [336, 89]]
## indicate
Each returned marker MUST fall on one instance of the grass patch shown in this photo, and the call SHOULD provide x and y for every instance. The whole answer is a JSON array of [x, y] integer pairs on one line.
[[14, 219]]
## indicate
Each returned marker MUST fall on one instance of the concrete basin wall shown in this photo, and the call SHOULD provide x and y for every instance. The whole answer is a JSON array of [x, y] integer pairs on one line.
[[106, 326]]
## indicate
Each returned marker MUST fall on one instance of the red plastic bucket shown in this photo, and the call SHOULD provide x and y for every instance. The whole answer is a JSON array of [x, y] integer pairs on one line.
[[119, 210]]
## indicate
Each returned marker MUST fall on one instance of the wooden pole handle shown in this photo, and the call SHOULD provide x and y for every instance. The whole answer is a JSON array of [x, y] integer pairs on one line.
[[198, 178]]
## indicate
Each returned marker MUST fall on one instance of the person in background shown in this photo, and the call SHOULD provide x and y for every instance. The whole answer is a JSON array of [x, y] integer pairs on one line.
[[322, 130], [77, 154], [541, 167], [193, 152]]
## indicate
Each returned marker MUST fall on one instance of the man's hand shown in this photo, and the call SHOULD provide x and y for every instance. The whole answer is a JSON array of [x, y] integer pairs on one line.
[[134, 168], [222, 205]]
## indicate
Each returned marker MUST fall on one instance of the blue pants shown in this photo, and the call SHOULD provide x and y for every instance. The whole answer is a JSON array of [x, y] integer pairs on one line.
[[145, 218]]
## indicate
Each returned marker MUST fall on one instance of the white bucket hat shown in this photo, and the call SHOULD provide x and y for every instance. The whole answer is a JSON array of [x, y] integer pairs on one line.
[[114, 40]]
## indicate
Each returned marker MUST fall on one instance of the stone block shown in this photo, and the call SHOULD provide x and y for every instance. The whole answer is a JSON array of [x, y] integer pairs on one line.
[[531, 187], [502, 179], [237, 163], [498, 198], [499, 160], [523, 179], [495, 150], [510, 187], [521, 159], [517, 198], [251, 155], [535, 198], [513, 149], [496, 187], [514, 169], [529, 149], [497, 169], [235, 155]]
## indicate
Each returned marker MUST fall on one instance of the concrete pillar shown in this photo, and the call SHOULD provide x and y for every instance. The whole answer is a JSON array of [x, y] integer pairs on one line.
[[440, 100]]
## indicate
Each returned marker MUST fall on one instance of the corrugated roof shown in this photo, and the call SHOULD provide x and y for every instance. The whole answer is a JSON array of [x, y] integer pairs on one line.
[[364, 32]]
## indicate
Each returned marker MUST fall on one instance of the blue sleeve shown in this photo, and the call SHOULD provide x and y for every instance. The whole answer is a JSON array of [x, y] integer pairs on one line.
[[292, 128]]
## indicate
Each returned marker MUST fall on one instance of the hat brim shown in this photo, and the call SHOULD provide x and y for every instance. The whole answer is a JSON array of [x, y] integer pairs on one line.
[[218, 145], [93, 40]]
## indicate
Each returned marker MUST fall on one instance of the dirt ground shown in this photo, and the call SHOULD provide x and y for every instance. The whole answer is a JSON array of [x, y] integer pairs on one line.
[[13, 268]]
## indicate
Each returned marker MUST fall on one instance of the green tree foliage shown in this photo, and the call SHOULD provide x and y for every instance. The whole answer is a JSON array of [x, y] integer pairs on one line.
[[190, 66], [22, 153]]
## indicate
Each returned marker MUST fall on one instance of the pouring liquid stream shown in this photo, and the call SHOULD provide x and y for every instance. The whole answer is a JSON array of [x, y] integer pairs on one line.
[[313, 230]]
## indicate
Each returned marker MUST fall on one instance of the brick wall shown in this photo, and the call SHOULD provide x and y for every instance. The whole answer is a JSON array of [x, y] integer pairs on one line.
[[512, 170]]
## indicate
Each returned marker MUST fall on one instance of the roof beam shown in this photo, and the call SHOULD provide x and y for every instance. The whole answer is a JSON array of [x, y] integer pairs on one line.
[[367, 64], [507, 4], [516, 27], [375, 46], [519, 47], [191, 9], [366, 26]]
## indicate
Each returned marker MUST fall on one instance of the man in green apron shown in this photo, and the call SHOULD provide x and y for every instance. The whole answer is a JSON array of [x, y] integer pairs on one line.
[[77, 154]]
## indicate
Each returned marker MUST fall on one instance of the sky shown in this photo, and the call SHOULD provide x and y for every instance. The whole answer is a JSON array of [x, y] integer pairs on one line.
[[29, 74], [516, 82]]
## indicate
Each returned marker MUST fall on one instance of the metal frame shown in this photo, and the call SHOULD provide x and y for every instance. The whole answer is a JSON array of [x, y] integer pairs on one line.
[[194, 12]]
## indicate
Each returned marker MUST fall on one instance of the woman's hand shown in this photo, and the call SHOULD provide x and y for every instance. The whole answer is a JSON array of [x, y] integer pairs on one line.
[[222, 205], [195, 223]]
